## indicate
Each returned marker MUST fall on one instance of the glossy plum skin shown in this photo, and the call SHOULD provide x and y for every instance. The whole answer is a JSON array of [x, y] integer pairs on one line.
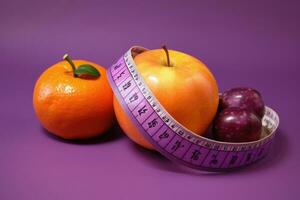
[[237, 125], [246, 98]]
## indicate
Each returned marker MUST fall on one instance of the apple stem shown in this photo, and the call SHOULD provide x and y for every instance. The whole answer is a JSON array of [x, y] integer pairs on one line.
[[167, 53], [67, 58]]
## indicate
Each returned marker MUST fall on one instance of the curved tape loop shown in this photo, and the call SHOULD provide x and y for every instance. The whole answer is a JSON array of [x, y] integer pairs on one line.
[[168, 136]]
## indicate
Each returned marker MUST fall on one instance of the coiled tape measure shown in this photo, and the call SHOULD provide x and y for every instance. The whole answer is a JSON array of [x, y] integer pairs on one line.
[[168, 136]]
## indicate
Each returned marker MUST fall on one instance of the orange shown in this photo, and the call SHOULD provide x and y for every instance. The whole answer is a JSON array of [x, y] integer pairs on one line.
[[73, 107], [185, 88]]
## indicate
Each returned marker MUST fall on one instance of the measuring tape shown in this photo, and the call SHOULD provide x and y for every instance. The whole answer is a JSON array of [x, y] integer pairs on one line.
[[168, 136]]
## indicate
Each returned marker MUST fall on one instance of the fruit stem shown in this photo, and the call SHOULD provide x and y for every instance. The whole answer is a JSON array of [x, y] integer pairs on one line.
[[168, 56], [67, 58]]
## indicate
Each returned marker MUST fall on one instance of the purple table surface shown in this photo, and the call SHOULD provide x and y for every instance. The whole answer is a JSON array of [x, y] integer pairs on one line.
[[244, 43]]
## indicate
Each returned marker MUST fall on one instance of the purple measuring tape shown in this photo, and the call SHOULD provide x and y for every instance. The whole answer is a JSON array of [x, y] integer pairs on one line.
[[169, 137]]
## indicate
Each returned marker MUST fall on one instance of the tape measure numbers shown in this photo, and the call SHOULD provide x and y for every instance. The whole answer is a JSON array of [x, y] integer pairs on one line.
[[168, 136]]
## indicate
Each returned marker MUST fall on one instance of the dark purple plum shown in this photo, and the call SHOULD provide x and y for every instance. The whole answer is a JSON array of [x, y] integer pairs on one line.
[[237, 125], [246, 98]]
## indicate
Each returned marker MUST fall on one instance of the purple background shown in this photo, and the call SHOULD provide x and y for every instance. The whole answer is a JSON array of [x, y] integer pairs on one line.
[[245, 43]]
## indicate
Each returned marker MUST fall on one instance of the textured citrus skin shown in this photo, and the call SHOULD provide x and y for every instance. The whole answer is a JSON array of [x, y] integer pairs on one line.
[[73, 108], [187, 90]]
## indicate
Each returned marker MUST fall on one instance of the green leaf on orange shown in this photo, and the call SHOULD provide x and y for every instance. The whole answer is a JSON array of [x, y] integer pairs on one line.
[[86, 71]]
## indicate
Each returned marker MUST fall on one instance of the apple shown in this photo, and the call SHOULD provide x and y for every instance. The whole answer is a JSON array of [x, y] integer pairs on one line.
[[182, 84], [237, 125], [242, 97]]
